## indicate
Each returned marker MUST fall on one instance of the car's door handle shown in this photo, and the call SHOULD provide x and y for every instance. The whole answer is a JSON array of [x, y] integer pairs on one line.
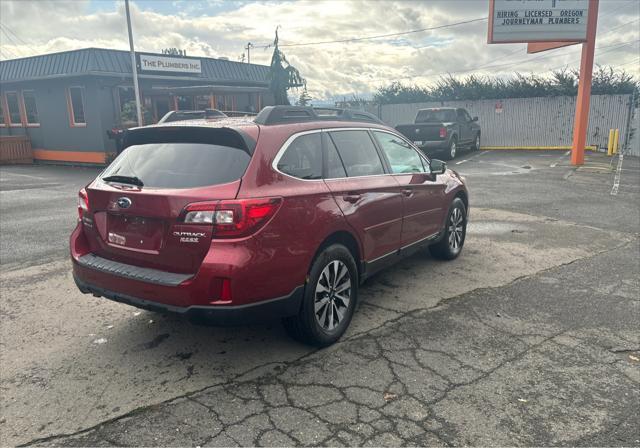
[[351, 197], [407, 192]]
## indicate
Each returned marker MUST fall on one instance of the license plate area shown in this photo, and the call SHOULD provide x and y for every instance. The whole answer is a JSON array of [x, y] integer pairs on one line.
[[135, 232]]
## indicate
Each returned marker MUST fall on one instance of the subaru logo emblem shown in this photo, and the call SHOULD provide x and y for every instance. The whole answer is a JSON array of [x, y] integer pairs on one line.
[[123, 202]]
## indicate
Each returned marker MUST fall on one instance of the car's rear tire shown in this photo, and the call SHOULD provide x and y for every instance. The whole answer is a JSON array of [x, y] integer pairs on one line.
[[329, 300], [453, 149], [455, 231]]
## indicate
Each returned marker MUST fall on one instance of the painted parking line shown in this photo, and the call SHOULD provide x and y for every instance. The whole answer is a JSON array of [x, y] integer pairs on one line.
[[554, 164], [616, 180], [472, 157], [7, 173]]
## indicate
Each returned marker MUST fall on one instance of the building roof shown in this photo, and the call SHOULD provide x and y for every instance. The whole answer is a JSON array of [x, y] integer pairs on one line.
[[100, 61]]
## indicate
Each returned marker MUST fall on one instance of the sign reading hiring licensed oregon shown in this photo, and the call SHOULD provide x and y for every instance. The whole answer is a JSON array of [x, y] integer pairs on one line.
[[513, 21]]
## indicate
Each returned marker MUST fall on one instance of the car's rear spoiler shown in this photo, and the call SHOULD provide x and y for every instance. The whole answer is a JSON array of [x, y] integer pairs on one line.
[[223, 136]]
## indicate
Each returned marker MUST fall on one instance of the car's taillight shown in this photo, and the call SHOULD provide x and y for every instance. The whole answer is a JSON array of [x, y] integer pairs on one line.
[[233, 218], [443, 132], [199, 213], [83, 203]]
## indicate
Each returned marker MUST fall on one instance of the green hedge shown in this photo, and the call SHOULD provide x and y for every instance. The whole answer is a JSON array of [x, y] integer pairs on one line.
[[606, 80]]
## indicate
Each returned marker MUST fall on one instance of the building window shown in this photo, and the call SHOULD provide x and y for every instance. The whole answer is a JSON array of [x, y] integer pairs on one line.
[[75, 100], [127, 103], [203, 102], [13, 107], [184, 102], [30, 109], [225, 102]]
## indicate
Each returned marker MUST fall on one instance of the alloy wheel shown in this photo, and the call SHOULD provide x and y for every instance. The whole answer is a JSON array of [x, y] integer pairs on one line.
[[477, 142], [456, 229], [452, 150], [332, 295]]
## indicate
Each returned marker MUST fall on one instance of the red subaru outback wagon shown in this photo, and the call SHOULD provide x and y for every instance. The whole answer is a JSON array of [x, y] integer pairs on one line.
[[236, 220]]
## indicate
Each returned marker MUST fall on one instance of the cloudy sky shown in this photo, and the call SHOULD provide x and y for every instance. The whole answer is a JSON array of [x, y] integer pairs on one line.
[[218, 28]]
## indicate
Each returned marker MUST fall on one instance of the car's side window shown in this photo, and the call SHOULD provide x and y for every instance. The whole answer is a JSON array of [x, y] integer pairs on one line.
[[461, 116], [358, 153], [402, 157], [335, 168], [467, 117], [303, 157]]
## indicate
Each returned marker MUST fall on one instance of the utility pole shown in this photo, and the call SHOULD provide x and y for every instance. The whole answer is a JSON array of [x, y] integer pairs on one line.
[[248, 48], [134, 66]]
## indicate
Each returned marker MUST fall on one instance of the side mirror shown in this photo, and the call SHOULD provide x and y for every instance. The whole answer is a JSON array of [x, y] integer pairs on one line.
[[474, 119], [438, 167]]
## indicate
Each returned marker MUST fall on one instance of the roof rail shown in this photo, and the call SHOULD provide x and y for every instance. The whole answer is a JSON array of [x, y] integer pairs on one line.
[[296, 114], [180, 115]]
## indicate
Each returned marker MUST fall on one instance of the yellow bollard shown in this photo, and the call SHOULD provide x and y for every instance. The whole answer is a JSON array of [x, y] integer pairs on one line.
[[612, 133], [615, 141]]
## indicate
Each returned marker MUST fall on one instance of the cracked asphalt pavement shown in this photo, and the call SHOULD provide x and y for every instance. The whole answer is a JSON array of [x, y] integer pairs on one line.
[[531, 337]]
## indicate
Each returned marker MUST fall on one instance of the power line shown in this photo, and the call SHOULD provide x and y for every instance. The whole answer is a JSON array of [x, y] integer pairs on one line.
[[11, 39], [608, 13], [379, 36], [617, 47], [9, 52], [620, 26], [545, 56], [6, 28], [510, 63], [636, 61]]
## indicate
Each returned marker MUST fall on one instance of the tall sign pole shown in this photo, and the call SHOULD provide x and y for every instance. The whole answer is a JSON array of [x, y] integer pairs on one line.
[[581, 121], [134, 66]]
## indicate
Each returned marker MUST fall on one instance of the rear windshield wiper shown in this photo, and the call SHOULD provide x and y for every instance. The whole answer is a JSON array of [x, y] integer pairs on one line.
[[133, 180]]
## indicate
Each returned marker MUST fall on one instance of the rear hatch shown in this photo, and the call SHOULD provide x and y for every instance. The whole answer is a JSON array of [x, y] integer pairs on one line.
[[428, 125], [143, 224]]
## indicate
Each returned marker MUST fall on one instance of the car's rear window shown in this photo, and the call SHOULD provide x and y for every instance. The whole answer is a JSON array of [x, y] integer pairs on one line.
[[436, 116], [180, 165]]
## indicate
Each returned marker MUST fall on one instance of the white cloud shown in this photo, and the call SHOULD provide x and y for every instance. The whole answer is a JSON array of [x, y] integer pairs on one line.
[[218, 29]]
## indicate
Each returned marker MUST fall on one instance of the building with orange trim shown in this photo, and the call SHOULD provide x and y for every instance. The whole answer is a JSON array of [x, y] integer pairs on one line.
[[66, 102]]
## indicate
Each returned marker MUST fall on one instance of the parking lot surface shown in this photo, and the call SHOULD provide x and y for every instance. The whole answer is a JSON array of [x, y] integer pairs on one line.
[[529, 338]]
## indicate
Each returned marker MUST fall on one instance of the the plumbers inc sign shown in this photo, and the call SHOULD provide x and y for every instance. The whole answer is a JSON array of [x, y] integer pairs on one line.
[[538, 20], [155, 63]]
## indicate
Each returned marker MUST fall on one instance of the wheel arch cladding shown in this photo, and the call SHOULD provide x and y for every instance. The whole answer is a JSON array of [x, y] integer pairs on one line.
[[346, 239], [463, 197]]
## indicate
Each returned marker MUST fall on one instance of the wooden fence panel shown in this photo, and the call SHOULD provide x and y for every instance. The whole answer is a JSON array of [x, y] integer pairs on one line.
[[15, 149]]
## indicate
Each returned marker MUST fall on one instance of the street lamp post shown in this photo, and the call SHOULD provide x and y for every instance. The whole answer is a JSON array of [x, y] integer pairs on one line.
[[134, 65]]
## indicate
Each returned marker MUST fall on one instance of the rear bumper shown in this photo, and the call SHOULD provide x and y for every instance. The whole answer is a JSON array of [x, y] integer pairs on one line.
[[212, 315], [260, 287]]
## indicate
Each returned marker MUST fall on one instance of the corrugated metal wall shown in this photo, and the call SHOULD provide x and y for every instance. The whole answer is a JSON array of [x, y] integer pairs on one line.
[[634, 131], [545, 121]]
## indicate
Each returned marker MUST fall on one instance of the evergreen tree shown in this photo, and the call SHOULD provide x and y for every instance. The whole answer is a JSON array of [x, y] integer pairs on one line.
[[282, 75], [304, 98]]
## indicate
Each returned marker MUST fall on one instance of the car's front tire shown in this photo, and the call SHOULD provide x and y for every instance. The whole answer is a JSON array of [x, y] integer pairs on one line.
[[329, 301], [455, 231]]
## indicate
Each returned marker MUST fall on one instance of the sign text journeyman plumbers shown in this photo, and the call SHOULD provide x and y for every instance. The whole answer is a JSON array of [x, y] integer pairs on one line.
[[153, 63], [539, 20]]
